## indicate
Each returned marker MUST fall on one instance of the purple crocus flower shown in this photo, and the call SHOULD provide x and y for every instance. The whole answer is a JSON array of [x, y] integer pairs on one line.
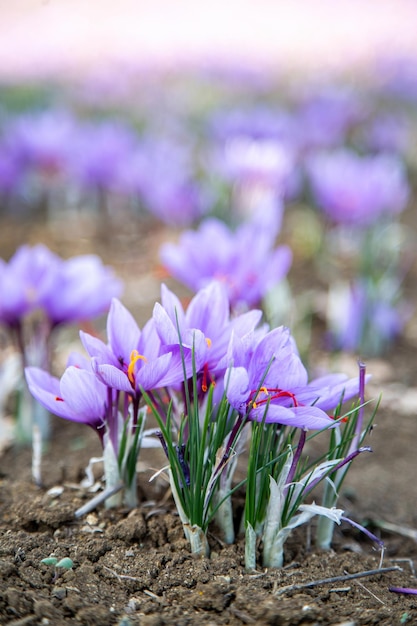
[[386, 132], [263, 164], [326, 113], [23, 280], [398, 78], [99, 151], [257, 123], [11, 171], [163, 173], [244, 260], [79, 288], [79, 396], [208, 314], [41, 140], [357, 190], [366, 316], [133, 359], [67, 290], [269, 382], [256, 147]]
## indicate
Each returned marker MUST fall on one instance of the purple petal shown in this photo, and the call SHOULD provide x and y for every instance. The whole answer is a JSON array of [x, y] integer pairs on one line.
[[46, 390], [308, 418], [123, 332], [112, 376], [154, 373], [96, 348], [85, 395], [165, 328], [209, 310], [236, 382], [173, 307]]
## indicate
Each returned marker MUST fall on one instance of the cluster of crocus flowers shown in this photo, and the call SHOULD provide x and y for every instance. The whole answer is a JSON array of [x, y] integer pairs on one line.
[[246, 260], [358, 190], [208, 377], [53, 159], [40, 291], [64, 290]]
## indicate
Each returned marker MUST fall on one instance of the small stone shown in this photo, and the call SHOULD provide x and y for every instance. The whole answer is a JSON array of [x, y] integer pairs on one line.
[[92, 519], [59, 593]]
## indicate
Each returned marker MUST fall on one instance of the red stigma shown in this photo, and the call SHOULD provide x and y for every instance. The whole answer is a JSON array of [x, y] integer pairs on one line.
[[207, 378]]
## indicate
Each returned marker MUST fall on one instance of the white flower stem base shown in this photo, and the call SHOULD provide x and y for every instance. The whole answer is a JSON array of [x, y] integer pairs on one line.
[[250, 548], [198, 540]]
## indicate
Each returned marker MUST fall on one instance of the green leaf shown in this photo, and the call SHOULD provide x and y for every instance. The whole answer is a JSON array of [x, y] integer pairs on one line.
[[51, 560], [65, 563]]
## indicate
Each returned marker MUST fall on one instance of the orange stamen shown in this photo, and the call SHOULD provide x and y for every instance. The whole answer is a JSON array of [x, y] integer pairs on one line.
[[134, 356]]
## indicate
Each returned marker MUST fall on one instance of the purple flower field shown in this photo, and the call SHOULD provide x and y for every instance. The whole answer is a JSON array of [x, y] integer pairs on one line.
[[216, 277]]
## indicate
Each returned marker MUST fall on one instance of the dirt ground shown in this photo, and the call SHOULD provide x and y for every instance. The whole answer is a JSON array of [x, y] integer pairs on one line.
[[135, 568]]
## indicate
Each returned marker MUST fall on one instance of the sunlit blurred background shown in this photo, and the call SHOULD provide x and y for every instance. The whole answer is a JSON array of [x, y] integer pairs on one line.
[[124, 123], [70, 38]]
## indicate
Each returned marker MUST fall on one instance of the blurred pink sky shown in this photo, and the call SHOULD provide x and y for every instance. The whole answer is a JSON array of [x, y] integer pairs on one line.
[[72, 37]]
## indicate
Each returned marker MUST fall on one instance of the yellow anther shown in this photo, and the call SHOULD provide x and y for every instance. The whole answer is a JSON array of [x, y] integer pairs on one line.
[[208, 342], [261, 390], [134, 356]]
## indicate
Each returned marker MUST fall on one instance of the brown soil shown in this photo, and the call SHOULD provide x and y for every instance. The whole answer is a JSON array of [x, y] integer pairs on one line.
[[135, 568]]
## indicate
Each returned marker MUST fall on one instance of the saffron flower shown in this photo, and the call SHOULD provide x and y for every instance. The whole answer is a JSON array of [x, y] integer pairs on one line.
[[78, 396], [208, 313], [270, 384], [257, 123], [23, 280], [41, 141], [38, 292], [79, 288], [366, 315], [98, 153], [357, 190], [134, 360], [327, 113], [245, 260], [167, 184], [66, 290]]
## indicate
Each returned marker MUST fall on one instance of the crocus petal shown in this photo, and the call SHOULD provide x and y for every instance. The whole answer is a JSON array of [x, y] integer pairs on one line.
[[246, 322], [112, 376], [330, 395], [123, 332], [79, 360], [154, 373], [85, 395], [46, 390], [96, 348], [236, 382], [306, 417], [165, 328], [209, 310], [173, 307]]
